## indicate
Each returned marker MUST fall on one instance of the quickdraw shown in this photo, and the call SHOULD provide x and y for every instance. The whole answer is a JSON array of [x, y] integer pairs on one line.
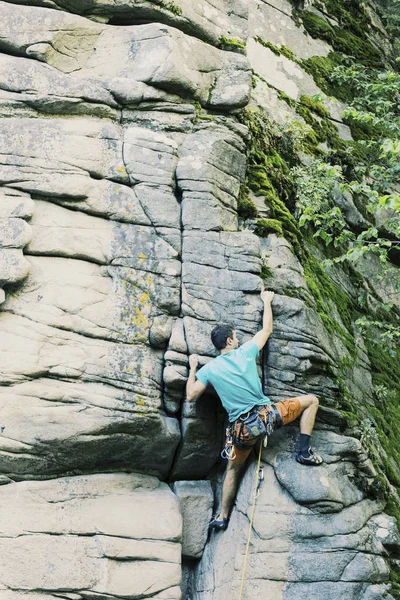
[[229, 451]]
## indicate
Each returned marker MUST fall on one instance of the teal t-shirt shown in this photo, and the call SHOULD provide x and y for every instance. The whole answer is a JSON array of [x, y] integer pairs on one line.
[[235, 379]]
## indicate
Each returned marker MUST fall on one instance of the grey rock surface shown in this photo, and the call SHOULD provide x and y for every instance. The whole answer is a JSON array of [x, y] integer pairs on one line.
[[290, 538], [122, 160], [196, 500], [101, 535], [205, 20]]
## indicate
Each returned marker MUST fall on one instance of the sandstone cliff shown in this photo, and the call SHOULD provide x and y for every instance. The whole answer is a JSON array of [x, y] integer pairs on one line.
[[145, 195]]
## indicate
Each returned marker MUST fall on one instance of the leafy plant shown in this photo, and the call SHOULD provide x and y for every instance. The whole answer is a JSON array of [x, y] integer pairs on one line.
[[372, 181], [374, 114]]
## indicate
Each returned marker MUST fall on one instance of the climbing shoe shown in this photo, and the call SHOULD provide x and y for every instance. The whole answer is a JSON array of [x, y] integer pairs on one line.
[[311, 460], [218, 524]]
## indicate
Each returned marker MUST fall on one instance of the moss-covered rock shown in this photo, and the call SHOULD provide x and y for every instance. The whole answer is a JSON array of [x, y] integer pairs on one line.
[[246, 208], [267, 226], [320, 69], [342, 39], [227, 43]]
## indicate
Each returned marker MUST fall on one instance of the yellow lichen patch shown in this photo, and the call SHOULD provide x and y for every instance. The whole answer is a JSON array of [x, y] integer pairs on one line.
[[141, 257], [121, 169], [141, 405], [140, 310]]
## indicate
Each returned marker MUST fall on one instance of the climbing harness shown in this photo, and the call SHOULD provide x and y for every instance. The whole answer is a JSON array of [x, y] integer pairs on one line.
[[250, 427], [256, 493]]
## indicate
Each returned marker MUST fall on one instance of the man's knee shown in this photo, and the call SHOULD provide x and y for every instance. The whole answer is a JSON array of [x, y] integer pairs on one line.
[[309, 400], [233, 466]]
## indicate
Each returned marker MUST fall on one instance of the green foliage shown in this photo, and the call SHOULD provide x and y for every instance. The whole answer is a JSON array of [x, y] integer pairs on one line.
[[315, 190], [227, 43], [381, 333], [375, 103], [266, 226]]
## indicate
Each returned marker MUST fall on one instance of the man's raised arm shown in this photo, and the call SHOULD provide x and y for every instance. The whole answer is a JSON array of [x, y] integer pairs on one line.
[[261, 337], [194, 389]]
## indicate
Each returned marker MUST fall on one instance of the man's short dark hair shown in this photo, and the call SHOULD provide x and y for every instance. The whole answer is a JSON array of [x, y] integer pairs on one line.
[[220, 334]]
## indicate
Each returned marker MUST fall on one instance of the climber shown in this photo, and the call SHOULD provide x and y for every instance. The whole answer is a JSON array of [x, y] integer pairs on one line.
[[251, 414]]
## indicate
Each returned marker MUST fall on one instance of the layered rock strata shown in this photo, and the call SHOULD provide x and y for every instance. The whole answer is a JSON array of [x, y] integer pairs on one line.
[[122, 158]]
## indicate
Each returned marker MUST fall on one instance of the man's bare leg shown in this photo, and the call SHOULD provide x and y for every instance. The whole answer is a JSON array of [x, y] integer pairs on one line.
[[229, 488], [309, 405]]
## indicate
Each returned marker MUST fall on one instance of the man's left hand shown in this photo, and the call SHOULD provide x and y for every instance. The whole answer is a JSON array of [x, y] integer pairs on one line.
[[266, 296]]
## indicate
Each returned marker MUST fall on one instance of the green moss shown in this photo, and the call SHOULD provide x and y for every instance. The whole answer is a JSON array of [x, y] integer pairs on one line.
[[323, 130], [288, 53], [269, 45], [317, 27], [289, 101], [246, 208], [200, 115], [172, 7], [386, 417], [314, 105], [327, 295], [342, 40], [363, 131], [268, 173], [351, 15], [266, 226], [320, 68], [266, 272], [226, 43], [278, 50]]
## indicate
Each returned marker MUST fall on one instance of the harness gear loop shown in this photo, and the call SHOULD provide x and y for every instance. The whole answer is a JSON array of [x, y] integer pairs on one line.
[[256, 493]]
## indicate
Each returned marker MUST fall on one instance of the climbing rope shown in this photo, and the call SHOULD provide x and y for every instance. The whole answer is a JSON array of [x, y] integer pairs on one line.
[[256, 493]]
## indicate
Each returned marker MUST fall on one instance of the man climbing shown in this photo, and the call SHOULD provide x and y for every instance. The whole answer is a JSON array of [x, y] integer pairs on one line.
[[252, 415]]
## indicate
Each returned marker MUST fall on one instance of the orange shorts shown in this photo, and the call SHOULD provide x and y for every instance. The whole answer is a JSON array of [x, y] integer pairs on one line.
[[288, 409]]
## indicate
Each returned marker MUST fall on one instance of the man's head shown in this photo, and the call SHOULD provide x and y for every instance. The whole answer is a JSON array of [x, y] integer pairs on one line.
[[223, 336]]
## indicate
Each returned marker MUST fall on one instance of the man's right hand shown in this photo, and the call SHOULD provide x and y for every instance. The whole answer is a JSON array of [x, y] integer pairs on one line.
[[193, 361]]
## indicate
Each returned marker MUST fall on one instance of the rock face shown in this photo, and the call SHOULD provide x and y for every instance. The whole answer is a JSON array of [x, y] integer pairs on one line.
[[314, 535], [123, 161], [96, 535]]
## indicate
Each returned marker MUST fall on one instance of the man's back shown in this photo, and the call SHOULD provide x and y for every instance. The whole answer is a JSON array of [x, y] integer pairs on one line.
[[235, 378]]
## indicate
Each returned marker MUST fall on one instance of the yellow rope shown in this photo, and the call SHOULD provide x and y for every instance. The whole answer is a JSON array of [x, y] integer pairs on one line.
[[251, 523]]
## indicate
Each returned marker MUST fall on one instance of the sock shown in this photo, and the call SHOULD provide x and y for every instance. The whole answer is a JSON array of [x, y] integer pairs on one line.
[[304, 444]]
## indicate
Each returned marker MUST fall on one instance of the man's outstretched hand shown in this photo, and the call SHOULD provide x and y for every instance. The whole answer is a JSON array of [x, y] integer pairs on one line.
[[193, 361], [266, 296]]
